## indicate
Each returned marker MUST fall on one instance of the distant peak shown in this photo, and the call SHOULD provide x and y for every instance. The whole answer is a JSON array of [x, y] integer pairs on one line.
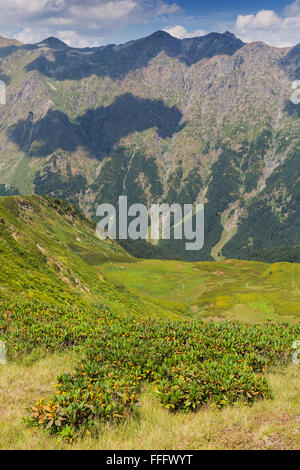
[[9, 42], [230, 35], [53, 42], [161, 34]]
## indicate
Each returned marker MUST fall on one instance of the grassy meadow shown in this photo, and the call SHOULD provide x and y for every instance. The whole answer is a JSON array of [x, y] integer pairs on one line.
[[247, 291]]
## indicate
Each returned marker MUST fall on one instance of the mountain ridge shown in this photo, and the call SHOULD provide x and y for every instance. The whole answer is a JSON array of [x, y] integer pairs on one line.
[[162, 120]]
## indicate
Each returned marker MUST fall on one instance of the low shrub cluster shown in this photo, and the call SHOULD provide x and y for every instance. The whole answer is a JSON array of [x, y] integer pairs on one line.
[[190, 364]]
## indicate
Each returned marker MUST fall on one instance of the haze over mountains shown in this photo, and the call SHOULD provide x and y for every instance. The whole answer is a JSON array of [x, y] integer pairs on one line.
[[160, 120]]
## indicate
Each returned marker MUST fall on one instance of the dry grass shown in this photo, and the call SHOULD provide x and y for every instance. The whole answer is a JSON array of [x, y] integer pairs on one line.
[[270, 424], [21, 385]]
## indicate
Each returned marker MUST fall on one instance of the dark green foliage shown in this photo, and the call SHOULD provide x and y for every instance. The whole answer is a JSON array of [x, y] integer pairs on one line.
[[174, 183], [183, 190], [108, 185], [273, 219], [58, 184], [189, 189], [120, 175], [139, 165], [223, 189], [65, 208], [190, 364], [290, 254], [142, 249], [8, 190]]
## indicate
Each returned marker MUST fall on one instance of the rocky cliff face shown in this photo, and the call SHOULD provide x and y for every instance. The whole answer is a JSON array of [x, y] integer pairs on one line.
[[161, 120]]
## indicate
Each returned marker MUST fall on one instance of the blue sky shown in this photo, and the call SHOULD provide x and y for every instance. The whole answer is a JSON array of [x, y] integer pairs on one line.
[[96, 22]]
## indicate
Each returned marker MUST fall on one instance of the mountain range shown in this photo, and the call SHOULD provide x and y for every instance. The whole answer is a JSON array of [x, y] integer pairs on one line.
[[160, 119]]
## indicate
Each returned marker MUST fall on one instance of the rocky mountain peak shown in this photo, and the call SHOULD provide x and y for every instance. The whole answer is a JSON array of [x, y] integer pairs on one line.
[[230, 35], [53, 43]]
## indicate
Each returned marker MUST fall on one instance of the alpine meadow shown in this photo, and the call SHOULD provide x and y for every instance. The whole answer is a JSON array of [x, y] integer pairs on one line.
[[110, 341]]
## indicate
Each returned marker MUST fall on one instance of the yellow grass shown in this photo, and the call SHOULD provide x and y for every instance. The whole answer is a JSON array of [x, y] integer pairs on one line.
[[270, 424]]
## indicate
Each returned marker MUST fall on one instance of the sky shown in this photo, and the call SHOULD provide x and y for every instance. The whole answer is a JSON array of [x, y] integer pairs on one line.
[[82, 23]]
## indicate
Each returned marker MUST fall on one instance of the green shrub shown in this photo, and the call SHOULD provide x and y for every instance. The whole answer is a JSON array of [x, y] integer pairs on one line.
[[190, 364]]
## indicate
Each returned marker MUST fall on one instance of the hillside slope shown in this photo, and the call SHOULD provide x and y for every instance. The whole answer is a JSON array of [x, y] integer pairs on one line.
[[49, 252], [160, 119]]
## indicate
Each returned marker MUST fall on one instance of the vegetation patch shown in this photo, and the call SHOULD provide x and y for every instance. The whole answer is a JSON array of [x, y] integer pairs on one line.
[[189, 364]]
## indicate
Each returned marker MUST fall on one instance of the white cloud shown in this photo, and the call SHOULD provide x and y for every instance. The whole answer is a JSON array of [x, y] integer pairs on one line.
[[181, 32], [293, 9], [81, 22], [91, 22], [28, 36], [263, 20], [71, 38], [267, 26], [104, 11]]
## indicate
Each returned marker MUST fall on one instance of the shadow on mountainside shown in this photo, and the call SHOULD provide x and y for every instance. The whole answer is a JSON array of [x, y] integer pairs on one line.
[[8, 50], [5, 78], [97, 130], [293, 110], [290, 63]]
